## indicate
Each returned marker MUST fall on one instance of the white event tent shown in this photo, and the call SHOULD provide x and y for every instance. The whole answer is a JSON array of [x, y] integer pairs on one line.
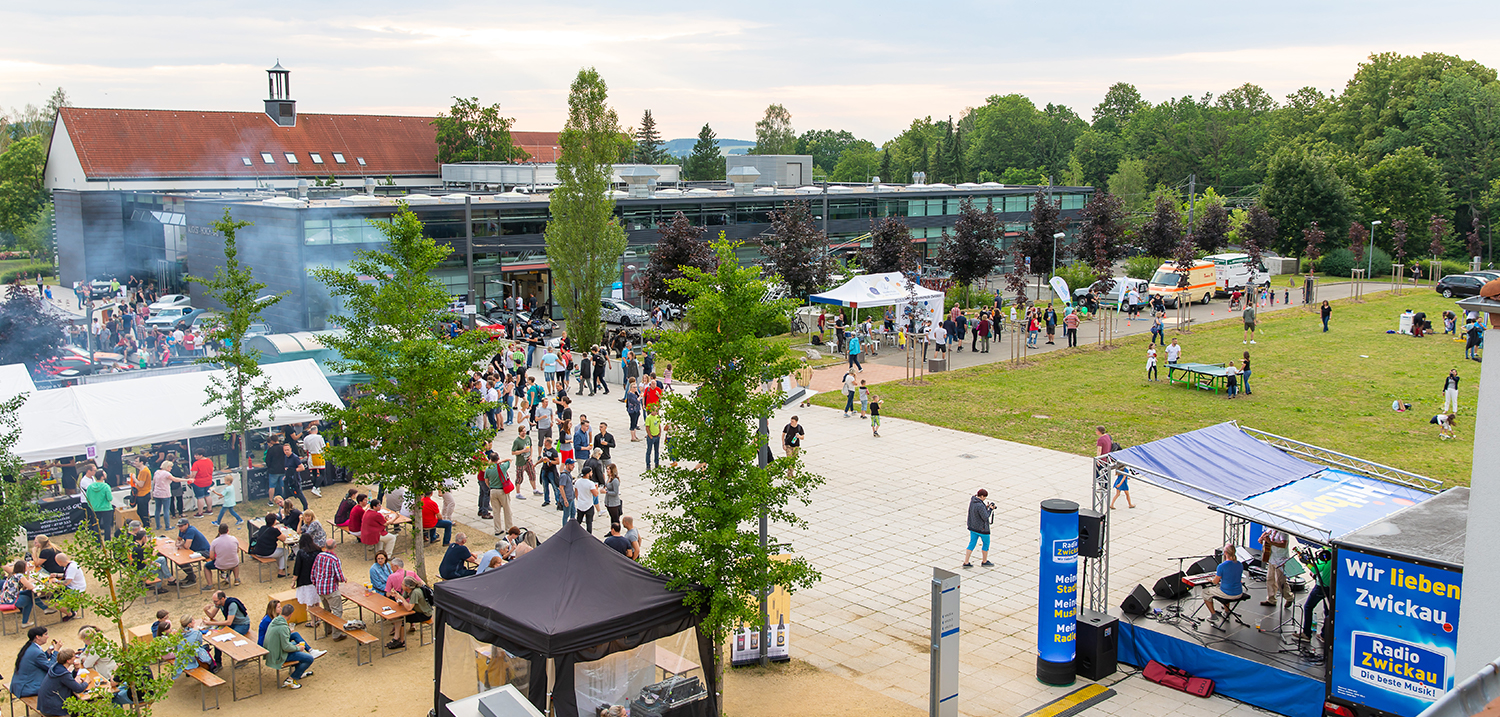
[[878, 290], [120, 414]]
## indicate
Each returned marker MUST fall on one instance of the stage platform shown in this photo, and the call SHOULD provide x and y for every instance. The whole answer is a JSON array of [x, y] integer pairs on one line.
[[1252, 663]]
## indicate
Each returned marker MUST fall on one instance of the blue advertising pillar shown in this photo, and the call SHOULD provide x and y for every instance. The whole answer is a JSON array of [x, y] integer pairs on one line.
[[1057, 593]]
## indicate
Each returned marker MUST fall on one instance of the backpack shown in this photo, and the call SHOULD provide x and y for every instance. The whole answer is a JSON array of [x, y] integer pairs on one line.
[[426, 595]]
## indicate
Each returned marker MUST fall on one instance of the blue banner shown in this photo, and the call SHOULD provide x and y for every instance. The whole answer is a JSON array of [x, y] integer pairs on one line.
[[1338, 502], [1057, 606], [1395, 632]]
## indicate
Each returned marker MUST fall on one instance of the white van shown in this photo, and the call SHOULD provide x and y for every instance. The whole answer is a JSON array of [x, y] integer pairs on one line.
[[1232, 272]]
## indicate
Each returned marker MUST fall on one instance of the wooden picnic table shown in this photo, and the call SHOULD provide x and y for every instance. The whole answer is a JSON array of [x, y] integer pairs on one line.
[[167, 548], [238, 648], [379, 605]]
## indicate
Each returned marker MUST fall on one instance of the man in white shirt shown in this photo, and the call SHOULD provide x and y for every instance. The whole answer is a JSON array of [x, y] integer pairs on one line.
[[315, 444], [1275, 553], [1174, 351]]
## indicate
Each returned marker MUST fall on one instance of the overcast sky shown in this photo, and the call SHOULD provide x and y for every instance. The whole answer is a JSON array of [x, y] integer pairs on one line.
[[868, 67]]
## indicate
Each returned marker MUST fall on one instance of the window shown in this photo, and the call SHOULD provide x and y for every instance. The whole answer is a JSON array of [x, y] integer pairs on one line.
[[246, 160], [267, 158], [291, 158], [316, 158], [338, 157], [361, 161]]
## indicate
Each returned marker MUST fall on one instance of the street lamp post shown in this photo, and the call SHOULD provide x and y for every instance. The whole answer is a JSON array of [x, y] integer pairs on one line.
[[1055, 237], [1370, 265]]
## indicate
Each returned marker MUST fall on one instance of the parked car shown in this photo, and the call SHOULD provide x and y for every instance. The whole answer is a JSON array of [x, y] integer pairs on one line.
[[168, 318], [616, 311], [1111, 297], [523, 319], [494, 329], [1485, 275], [76, 362], [1460, 285], [670, 311], [169, 301]]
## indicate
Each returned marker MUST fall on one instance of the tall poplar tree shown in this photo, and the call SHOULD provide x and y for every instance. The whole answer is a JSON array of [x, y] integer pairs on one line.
[[584, 238]]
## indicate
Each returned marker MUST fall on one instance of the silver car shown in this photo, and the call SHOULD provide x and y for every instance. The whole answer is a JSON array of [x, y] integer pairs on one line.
[[616, 311]]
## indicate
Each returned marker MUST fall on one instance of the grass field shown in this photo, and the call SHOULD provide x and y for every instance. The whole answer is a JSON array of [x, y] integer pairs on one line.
[[1333, 390]]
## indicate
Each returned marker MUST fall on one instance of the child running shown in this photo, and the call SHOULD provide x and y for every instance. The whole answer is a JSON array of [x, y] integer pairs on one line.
[[875, 414]]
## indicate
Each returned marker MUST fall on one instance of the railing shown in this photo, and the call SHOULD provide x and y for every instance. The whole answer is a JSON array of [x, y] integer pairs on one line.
[[1347, 462]]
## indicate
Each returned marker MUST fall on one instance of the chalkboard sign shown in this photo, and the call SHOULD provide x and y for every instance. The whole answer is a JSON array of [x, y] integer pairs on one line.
[[66, 516], [213, 445], [256, 484]]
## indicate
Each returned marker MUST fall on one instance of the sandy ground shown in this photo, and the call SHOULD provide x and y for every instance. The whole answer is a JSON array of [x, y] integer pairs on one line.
[[402, 683]]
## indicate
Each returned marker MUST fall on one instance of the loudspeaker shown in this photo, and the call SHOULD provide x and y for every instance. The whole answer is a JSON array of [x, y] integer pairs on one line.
[[1090, 533], [1098, 641], [1138, 602], [1171, 587], [1206, 565]]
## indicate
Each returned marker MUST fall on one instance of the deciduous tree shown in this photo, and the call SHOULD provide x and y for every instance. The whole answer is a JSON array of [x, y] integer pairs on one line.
[[681, 246], [1398, 240], [706, 542], [1162, 231], [244, 396], [1302, 188], [412, 426], [1101, 236], [1358, 235], [1213, 227], [774, 133], [584, 238], [468, 132], [797, 250], [890, 248], [19, 494], [972, 251], [22, 191], [1037, 244], [1438, 228], [29, 332]]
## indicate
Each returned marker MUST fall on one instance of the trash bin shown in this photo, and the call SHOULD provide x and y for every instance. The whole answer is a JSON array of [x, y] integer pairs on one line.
[[934, 365]]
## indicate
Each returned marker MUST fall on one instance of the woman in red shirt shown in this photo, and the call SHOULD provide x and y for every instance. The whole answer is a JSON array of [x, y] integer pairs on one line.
[[432, 519]]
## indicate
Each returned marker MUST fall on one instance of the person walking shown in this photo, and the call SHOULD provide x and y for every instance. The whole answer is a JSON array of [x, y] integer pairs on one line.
[[875, 414], [1070, 328], [1049, 317], [1326, 311], [791, 437], [849, 390], [520, 448], [497, 481], [1158, 331], [1450, 392], [981, 514], [854, 349], [1151, 374], [1249, 316], [1174, 352], [1105, 445]]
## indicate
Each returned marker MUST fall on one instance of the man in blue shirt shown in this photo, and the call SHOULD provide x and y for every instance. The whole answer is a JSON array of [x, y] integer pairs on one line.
[[1227, 583], [190, 538], [456, 559]]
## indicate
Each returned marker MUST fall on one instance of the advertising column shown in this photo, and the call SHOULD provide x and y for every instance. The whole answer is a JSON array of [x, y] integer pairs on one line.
[[1057, 593]]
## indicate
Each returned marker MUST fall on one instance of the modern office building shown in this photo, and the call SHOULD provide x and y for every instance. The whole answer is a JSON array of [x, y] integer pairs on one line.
[[137, 191]]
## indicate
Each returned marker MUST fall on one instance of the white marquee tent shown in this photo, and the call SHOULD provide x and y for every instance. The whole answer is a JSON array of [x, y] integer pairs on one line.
[[120, 414], [878, 290]]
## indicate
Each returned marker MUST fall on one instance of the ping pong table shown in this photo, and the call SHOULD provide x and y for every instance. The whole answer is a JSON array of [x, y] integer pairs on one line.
[[1206, 376]]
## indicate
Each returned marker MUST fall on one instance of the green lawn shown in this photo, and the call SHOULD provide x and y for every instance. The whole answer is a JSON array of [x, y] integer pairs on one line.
[[1334, 390]]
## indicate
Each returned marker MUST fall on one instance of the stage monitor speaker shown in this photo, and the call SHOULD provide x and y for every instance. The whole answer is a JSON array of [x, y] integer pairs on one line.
[[1206, 565], [1138, 602], [1171, 587], [1090, 533], [1098, 641]]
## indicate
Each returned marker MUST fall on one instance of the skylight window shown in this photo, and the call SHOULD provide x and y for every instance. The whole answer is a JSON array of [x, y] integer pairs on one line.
[[291, 158], [267, 158], [316, 158], [338, 157], [246, 160], [361, 161]]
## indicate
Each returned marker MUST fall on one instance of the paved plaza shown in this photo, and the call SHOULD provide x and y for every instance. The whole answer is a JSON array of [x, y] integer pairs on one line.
[[894, 507]]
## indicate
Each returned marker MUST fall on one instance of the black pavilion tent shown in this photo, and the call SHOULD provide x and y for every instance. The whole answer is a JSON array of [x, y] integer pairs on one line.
[[572, 599]]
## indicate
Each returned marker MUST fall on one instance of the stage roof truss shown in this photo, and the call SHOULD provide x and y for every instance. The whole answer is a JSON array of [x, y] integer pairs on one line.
[[1347, 462]]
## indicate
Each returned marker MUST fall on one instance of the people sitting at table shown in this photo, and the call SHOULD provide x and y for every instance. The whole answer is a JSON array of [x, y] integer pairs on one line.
[[226, 611], [399, 573], [19, 591], [32, 663], [288, 515], [224, 553], [192, 651], [72, 579], [59, 685], [44, 555], [273, 609], [283, 646], [92, 659], [267, 544], [356, 517], [432, 520], [145, 556], [414, 596], [163, 624], [456, 560], [502, 548], [380, 572], [372, 531], [192, 540], [310, 525], [341, 516]]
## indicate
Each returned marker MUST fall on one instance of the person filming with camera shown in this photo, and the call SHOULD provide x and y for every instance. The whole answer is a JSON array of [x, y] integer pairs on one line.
[[981, 514]]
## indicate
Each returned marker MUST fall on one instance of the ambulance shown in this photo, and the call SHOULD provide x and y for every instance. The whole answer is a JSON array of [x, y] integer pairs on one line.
[[1232, 272], [1202, 282]]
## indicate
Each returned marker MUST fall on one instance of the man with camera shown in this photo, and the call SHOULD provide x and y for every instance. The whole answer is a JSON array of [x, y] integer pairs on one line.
[[981, 514]]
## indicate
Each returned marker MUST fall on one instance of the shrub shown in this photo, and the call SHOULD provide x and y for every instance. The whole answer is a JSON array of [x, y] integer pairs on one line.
[[28, 270], [965, 296], [778, 325], [1142, 267], [1078, 275]]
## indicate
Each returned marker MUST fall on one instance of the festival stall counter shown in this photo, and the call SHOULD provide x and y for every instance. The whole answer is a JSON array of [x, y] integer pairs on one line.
[[1397, 596]]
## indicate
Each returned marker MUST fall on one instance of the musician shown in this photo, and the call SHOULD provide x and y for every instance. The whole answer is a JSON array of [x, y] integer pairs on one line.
[[1227, 583], [1274, 555]]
